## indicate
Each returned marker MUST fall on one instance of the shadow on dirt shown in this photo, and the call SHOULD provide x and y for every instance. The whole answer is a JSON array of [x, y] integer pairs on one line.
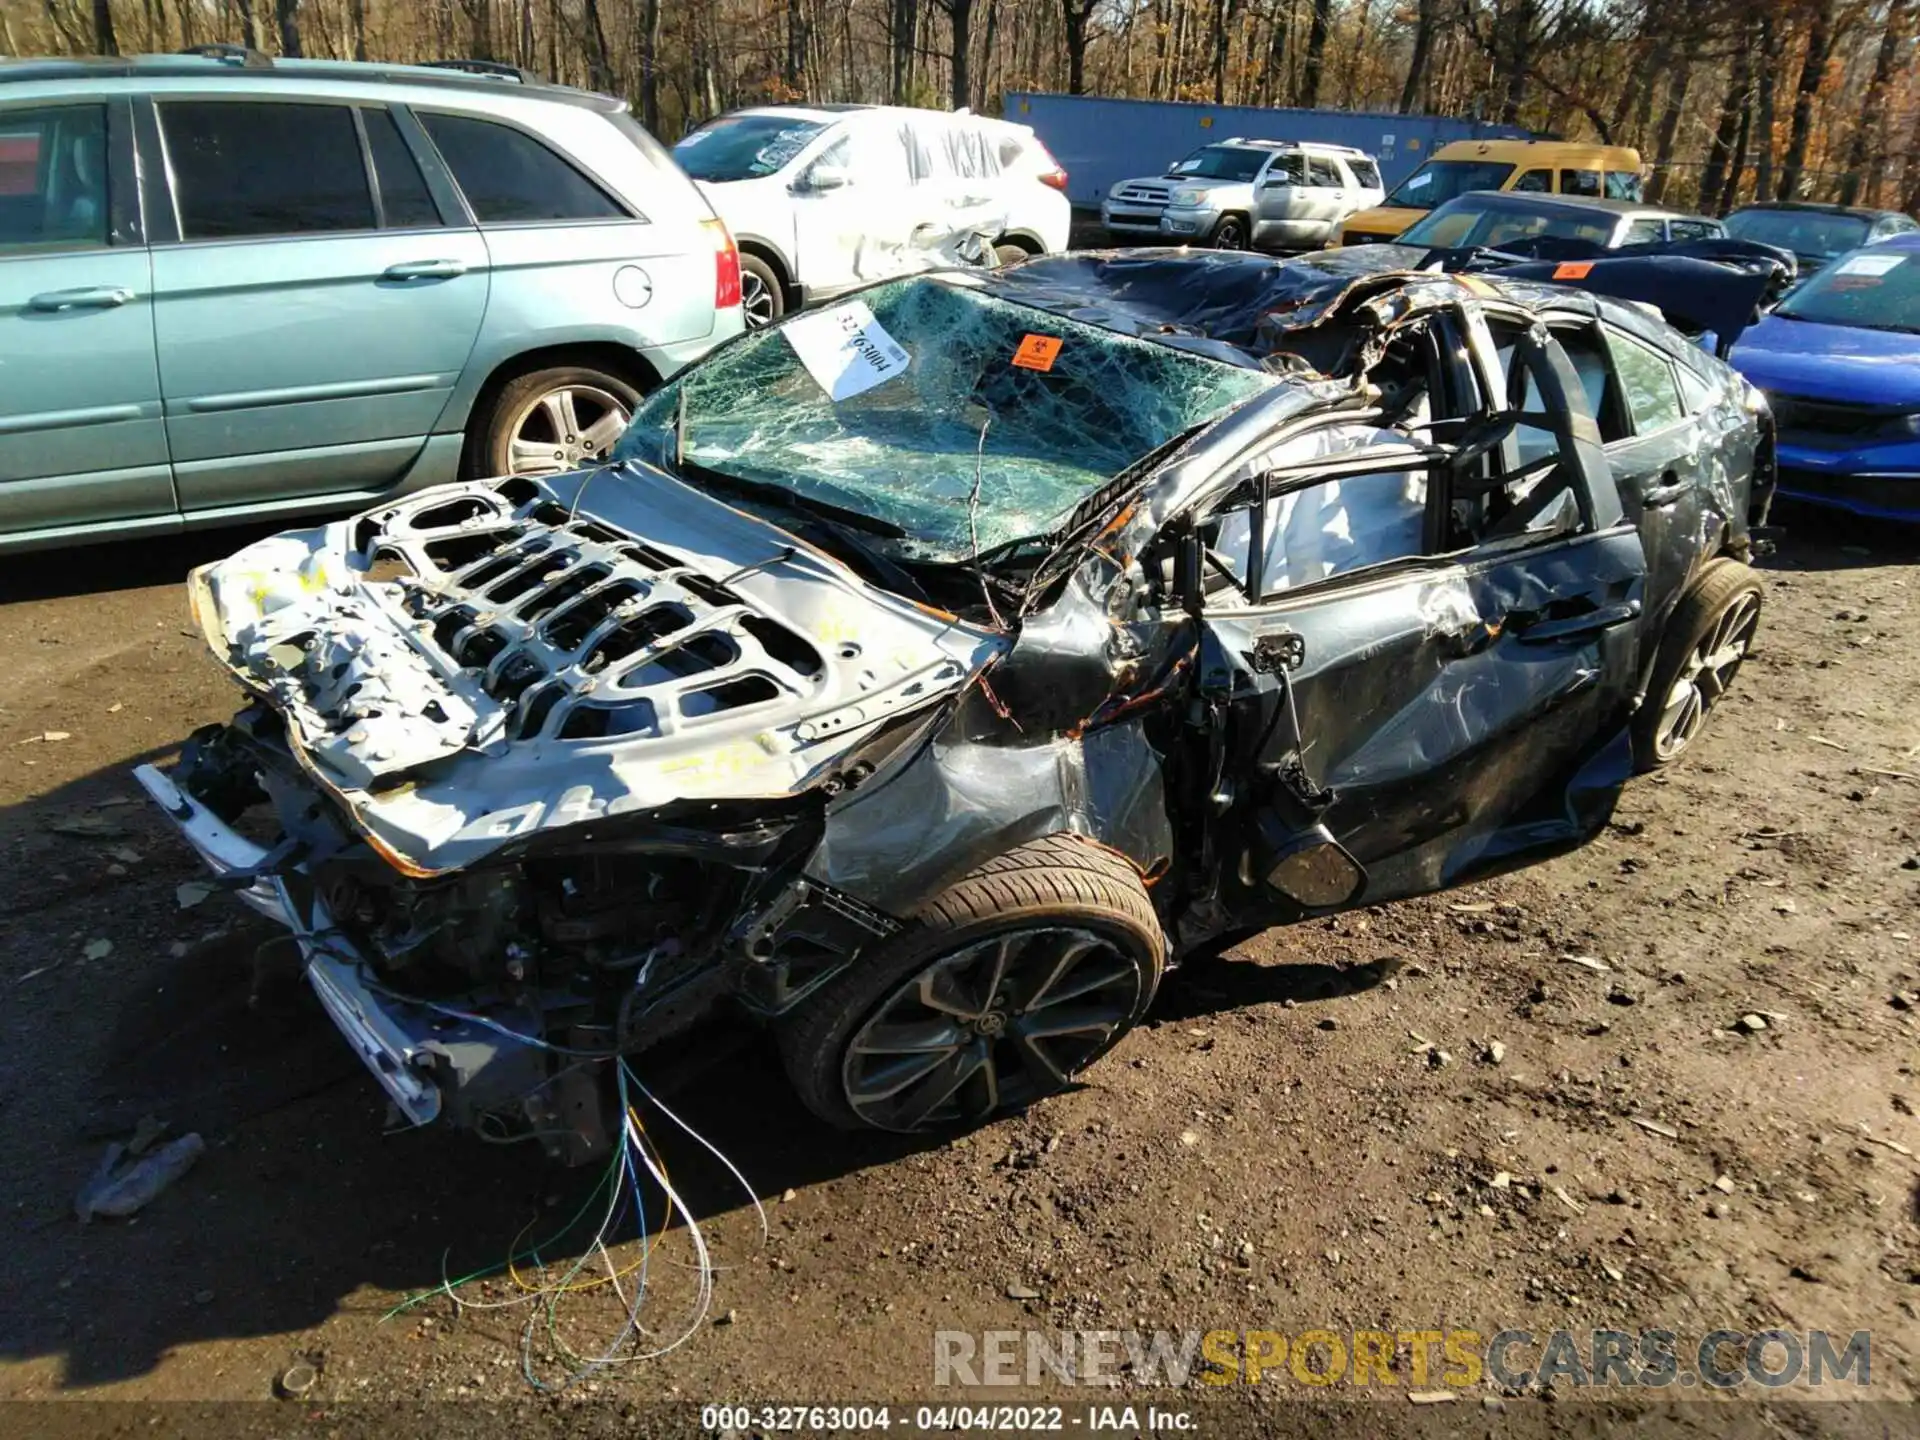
[[124, 564], [1195, 991], [308, 1199], [1813, 538]]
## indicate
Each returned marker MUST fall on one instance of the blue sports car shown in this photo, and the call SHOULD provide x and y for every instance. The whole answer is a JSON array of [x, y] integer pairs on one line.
[[1840, 361]]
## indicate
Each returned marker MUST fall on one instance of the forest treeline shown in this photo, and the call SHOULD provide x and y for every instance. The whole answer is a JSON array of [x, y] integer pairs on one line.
[[1727, 100]]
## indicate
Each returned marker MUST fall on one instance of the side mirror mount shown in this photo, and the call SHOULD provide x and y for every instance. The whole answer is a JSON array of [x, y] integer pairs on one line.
[[1313, 870], [822, 178]]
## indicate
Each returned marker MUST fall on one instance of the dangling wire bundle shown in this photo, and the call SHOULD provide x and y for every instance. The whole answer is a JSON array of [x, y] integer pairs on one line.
[[635, 1160]]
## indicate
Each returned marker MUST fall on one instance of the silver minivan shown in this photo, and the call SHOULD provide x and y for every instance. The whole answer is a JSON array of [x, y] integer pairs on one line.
[[234, 287]]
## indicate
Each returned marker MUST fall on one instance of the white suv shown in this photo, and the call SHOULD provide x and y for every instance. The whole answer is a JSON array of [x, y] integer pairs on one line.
[[821, 198], [1236, 194]]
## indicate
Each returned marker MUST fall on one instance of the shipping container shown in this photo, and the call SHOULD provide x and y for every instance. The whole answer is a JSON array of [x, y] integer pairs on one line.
[[1100, 141]]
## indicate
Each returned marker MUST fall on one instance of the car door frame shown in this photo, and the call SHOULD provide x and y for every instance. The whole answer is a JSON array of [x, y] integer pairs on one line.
[[825, 248], [303, 477], [1329, 201], [148, 484], [1569, 601], [1285, 231]]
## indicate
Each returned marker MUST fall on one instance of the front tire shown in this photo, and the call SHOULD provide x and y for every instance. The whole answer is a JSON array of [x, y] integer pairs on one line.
[[763, 299], [1230, 233], [1010, 981], [1706, 639]]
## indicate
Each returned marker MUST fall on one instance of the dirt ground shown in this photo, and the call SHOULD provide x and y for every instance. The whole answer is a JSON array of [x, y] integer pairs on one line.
[[1314, 1133]]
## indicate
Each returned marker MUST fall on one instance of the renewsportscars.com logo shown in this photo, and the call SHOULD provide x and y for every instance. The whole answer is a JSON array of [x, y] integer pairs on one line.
[[1451, 1359]]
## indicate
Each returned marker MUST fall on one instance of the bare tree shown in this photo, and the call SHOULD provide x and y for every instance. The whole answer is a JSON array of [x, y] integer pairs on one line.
[[1318, 25], [1074, 15], [1813, 70], [1724, 155], [287, 13], [1869, 133], [960, 24], [104, 42], [1423, 27]]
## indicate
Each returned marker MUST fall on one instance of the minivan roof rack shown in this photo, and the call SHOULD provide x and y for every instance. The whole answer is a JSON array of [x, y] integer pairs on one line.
[[494, 68], [243, 55]]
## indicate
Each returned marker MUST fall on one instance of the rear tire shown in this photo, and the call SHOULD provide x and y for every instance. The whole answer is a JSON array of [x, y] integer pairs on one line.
[[551, 420], [1009, 981], [1706, 639]]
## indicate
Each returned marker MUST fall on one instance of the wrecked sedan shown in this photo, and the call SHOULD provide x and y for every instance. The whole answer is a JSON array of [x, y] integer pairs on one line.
[[930, 672]]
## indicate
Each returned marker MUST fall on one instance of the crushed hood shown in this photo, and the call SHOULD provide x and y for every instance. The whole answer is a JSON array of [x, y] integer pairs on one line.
[[483, 661]]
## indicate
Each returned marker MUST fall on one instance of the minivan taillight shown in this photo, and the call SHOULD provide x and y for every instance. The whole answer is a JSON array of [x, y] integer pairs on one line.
[[1054, 179], [726, 265]]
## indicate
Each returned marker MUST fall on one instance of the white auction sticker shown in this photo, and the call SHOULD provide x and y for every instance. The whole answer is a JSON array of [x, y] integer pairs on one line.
[[1869, 264], [846, 349], [1420, 181]]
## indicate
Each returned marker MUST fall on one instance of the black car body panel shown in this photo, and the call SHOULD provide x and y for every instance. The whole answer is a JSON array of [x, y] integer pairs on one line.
[[1376, 629]]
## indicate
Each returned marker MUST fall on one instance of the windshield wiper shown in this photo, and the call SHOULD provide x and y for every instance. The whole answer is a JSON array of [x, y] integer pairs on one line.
[[783, 498]]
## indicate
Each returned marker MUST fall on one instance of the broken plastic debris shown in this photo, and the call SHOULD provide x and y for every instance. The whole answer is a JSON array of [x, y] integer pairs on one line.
[[98, 949], [122, 1190], [86, 827], [191, 893]]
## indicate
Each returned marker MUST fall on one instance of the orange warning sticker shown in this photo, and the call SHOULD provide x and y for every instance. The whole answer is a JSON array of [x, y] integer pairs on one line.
[[1573, 270], [1037, 352]]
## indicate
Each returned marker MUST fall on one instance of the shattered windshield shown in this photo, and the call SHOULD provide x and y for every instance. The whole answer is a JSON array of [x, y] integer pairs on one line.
[[933, 410], [744, 147]]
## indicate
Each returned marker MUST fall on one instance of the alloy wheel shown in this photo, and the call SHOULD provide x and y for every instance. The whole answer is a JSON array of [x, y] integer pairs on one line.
[[1229, 236], [565, 428], [997, 1022], [756, 300], [1709, 670]]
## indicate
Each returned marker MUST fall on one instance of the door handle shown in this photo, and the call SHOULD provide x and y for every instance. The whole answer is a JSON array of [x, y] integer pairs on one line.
[[87, 297], [1670, 489], [425, 270], [1574, 627]]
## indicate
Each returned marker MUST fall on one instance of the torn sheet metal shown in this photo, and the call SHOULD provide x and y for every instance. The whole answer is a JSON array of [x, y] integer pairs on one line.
[[530, 664], [1231, 304]]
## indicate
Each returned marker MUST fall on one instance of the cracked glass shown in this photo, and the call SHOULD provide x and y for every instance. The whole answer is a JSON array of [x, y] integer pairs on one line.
[[982, 400]]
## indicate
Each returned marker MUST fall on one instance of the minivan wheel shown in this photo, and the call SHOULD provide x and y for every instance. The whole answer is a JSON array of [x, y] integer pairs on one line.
[[1011, 981], [762, 300], [1701, 650], [554, 420]]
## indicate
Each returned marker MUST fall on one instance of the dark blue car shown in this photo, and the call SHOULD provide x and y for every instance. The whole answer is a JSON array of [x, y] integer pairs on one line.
[[1840, 361]]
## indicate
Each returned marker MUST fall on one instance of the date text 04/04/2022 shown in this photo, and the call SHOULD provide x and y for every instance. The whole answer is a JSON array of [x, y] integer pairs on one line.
[[946, 1419]]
